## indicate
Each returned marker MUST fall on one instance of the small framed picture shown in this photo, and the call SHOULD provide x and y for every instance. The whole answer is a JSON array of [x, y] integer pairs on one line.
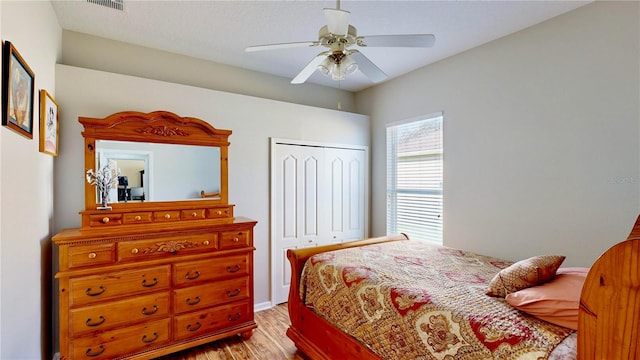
[[17, 92], [48, 124]]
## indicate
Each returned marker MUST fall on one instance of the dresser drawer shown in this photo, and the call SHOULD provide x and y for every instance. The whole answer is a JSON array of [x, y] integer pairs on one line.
[[195, 214], [106, 219], [167, 246], [211, 294], [217, 213], [114, 343], [90, 289], [234, 239], [212, 319], [137, 218], [159, 216], [90, 255], [193, 272], [116, 313]]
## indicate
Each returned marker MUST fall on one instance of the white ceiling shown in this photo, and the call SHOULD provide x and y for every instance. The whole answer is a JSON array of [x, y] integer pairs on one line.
[[220, 30]]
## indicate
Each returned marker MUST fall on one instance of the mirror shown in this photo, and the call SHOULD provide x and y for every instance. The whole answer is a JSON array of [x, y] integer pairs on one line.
[[160, 172], [162, 158]]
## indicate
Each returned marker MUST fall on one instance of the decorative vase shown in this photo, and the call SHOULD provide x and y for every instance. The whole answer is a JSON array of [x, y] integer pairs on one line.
[[104, 198]]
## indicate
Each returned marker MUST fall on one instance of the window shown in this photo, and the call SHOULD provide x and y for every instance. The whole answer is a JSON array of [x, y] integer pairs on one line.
[[414, 178]]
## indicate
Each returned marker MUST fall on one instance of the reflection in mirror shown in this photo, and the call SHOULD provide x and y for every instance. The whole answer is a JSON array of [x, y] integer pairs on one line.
[[160, 172]]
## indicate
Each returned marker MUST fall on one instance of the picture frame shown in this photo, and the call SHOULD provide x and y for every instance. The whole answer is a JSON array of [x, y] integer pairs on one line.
[[18, 82], [49, 124]]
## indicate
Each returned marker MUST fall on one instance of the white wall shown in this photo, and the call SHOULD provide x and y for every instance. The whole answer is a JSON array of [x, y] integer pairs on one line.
[[541, 136], [92, 93], [26, 194]]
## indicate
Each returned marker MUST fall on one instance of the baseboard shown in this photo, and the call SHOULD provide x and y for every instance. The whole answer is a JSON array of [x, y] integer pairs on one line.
[[262, 306]]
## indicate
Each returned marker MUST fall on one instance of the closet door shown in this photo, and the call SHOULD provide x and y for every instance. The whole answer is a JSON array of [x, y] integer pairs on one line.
[[297, 176], [346, 169], [318, 197]]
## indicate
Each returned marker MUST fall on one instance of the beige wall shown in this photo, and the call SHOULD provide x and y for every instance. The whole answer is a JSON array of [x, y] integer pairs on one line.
[[26, 194], [97, 53], [253, 121], [541, 136]]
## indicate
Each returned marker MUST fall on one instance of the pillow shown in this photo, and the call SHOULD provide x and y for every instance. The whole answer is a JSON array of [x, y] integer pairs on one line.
[[556, 301], [523, 274], [573, 270]]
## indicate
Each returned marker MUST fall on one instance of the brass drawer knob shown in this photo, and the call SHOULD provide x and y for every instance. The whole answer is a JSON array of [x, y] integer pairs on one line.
[[148, 312], [195, 301], [91, 292], [192, 275], [206, 242], [92, 255], [194, 214], [235, 239], [93, 353], [167, 216], [137, 218], [150, 284], [150, 340], [94, 323], [134, 250], [105, 219], [235, 317], [195, 327], [219, 212]]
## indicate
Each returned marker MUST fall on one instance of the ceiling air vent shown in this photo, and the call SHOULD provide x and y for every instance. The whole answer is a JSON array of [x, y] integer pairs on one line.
[[113, 4]]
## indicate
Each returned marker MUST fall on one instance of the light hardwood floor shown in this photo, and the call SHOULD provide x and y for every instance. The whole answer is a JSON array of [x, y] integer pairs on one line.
[[269, 341]]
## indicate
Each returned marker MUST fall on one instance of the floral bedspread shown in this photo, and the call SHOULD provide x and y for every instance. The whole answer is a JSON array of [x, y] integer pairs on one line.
[[413, 300]]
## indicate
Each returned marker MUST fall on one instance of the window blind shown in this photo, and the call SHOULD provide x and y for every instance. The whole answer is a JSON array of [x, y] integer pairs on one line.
[[414, 179]]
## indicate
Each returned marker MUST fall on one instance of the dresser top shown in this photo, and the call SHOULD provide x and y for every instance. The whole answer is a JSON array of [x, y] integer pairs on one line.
[[224, 224]]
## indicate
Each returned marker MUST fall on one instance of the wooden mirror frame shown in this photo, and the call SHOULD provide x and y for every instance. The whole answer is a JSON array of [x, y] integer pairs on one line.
[[155, 127]]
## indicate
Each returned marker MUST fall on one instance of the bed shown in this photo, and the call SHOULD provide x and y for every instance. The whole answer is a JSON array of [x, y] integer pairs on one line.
[[454, 318]]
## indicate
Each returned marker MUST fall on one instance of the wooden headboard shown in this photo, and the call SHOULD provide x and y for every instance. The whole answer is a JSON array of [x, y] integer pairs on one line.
[[609, 317]]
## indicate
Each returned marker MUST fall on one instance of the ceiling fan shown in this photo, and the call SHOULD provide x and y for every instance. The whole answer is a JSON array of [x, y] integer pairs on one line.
[[340, 60]]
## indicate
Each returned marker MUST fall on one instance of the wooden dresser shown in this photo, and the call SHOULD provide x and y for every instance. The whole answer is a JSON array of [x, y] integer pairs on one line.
[[143, 292], [147, 279]]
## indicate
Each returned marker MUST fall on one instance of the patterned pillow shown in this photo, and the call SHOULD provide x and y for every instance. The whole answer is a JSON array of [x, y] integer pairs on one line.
[[523, 274]]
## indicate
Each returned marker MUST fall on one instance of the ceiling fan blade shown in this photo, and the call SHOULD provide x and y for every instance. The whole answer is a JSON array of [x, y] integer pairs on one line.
[[337, 21], [410, 40], [282, 46], [367, 67], [309, 69]]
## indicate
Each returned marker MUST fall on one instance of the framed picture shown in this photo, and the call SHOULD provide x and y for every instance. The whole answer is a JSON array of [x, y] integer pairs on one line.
[[17, 92], [48, 124]]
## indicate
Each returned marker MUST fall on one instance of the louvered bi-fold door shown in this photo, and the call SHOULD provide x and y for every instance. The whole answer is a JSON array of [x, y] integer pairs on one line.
[[318, 197]]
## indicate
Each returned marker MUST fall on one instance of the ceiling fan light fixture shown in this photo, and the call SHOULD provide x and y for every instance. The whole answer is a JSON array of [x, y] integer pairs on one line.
[[349, 65], [326, 66], [338, 66]]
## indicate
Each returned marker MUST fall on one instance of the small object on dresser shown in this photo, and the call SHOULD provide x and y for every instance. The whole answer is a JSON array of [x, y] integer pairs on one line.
[[104, 179]]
